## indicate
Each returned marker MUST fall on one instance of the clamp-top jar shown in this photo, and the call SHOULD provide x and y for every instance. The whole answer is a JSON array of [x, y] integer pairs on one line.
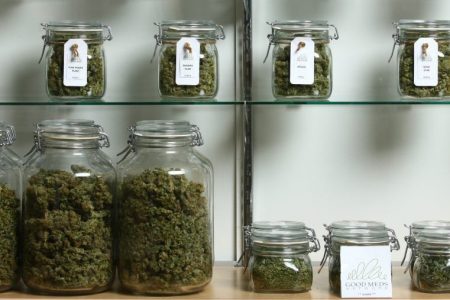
[[353, 233], [414, 230], [68, 211], [431, 271], [423, 58], [75, 60], [188, 59], [302, 60], [9, 208], [279, 257], [165, 216]]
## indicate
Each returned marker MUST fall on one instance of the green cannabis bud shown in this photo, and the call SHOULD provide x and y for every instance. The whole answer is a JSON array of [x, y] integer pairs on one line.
[[321, 88], [207, 88], [334, 274], [281, 274], [9, 220], [68, 241], [165, 242], [96, 82], [432, 273], [406, 73]]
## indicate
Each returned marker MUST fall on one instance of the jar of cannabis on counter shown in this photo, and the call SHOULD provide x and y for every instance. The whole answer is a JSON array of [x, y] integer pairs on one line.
[[279, 261], [9, 209], [165, 210], [302, 61], [353, 233], [75, 59], [68, 210], [423, 58], [188, 59], [431, 271], [415, 229]]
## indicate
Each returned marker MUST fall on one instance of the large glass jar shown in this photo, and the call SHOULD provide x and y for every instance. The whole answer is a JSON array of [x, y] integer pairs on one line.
[[353, 233], [68, 211], [302, 61], [280, 260], [423, 58], [415, 229], [9, 209], [431, 271], [165, 210], [188, 59], [75, 60]]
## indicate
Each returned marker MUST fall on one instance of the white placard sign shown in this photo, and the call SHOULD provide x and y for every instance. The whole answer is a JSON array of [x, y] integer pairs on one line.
[[366, 272]]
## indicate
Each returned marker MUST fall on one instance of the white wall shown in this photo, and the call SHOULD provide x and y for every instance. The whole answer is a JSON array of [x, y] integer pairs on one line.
[[131, 76], [324, 163]]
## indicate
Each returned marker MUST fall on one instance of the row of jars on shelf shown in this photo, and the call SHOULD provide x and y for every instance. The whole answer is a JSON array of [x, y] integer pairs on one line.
[[188, 59], [280, 262], [71, 227]]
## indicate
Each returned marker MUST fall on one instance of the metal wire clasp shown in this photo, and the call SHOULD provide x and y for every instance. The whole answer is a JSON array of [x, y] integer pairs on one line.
[[130, 144], [326, 254], [197, 139], [247, 233], [396, 37], [270, 38], [158, 40]]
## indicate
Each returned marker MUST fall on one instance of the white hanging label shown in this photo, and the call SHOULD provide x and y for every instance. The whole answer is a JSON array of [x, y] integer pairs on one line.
[[366, 272], [188, 62], [302, 61], [75, 62], [426, 62]]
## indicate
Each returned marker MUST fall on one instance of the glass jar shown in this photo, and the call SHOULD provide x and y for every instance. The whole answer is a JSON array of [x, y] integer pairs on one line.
[[165, 215], [68, 211], [188, 59], [279, 261], [302, 61], [9, 209], [423, 58], [353, 233], [75, 59], [431, 271], [415, 229]]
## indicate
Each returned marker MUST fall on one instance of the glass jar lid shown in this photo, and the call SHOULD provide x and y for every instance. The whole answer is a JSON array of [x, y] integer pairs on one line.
[[63, 30], [7, 134], [429, 224], [288, 30], [432, 241], [282, 237], [199, 29], [414, 29], [357, 224], [70, 134]]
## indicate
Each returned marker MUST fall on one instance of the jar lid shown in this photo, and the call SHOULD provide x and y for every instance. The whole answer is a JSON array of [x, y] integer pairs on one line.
[[200, 29], [433, 241], [423, 24], [54, 31], [7, 134], [70, 134], [430, 224], [411, 30], [166, 130], [357, 224], [288, 30]]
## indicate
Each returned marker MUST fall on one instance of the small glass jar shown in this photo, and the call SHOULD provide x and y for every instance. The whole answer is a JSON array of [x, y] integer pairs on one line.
[[431, 271], [423, 58], [9, 209], [188, 59], [75, 59], [279, 261], [68, 211], [165, 210], [415, 229], [302, 61], [353, 233]]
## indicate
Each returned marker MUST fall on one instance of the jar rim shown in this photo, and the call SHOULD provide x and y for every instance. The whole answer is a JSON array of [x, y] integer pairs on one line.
[[295, 25], [357, 224], [200, 29], [162, 129], [411, 24], [279, 225], [67, 25], [430, 224]]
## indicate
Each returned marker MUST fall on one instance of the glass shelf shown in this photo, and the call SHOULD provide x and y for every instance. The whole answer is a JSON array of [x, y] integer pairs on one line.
[[135, 102]]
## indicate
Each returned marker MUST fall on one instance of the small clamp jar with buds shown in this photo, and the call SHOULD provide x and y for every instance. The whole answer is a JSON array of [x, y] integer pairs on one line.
[[188, 59], [423, 58], [165, 216], [68, 210], [302, 60], [353, 233], [279, 261], [75, 59]]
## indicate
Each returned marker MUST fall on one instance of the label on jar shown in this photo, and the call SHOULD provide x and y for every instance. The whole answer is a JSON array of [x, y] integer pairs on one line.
[[366, 272], [75, 62], [426, 62], [188, 62], [302, 61]]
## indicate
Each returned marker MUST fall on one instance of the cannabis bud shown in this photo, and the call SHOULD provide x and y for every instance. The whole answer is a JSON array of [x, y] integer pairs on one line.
[[165, 238], [68, 241]]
